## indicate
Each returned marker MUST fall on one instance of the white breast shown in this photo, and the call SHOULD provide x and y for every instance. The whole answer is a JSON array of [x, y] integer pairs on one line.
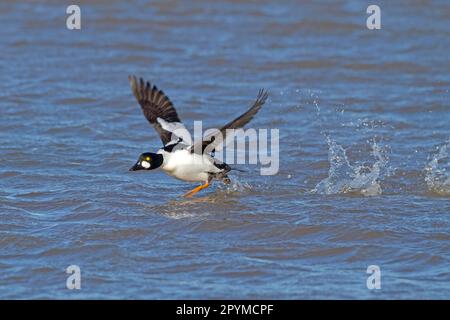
[[187, 166]]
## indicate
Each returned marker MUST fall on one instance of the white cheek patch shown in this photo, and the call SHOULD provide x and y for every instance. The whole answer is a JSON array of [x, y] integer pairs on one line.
[[145, 164]]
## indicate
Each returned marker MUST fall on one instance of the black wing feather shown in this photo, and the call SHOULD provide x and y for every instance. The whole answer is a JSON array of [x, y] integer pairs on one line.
[[155, 104], [237, 123]]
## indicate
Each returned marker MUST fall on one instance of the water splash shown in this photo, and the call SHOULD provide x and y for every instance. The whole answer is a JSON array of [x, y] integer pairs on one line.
[[437, 171], [235, 186], [344, 177]]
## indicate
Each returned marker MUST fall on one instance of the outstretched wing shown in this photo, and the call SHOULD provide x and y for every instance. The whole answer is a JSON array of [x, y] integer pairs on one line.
[[216, 138], [155, 104]]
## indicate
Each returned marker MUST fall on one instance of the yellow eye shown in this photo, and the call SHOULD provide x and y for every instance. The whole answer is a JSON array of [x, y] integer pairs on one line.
[[147, 159]]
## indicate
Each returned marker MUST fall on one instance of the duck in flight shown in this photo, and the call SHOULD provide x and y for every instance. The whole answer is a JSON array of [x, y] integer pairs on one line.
[[193, 162]]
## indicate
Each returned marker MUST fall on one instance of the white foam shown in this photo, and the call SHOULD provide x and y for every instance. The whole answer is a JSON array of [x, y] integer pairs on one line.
[[344, 177], [437, 170]]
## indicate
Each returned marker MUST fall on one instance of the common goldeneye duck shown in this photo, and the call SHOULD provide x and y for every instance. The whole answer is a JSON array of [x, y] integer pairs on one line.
[[179, 157]]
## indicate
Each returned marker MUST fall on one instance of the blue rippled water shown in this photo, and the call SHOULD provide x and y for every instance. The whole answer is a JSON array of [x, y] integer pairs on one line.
[[364, 123]]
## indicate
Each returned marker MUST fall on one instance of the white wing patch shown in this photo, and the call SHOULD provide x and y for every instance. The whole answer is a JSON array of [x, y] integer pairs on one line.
[[177, 129]]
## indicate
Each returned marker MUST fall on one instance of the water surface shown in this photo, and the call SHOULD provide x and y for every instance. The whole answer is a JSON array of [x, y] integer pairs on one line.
[[364, 157]]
